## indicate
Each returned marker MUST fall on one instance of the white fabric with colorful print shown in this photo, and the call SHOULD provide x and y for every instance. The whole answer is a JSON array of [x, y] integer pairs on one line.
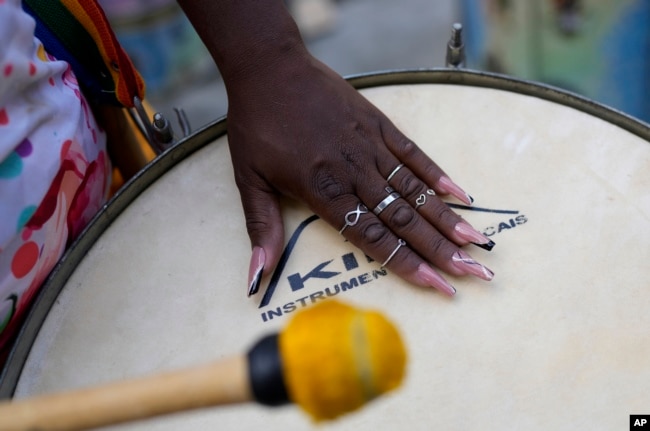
[[54, 170]]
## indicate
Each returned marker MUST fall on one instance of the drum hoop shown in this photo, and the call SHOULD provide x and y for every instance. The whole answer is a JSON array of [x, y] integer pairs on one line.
[[155, 169]]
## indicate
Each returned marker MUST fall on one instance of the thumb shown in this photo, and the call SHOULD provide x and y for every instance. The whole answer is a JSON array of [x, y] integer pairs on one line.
[[266, 232]]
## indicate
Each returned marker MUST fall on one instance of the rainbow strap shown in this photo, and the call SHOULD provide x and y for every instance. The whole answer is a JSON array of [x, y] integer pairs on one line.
[[78, 32]]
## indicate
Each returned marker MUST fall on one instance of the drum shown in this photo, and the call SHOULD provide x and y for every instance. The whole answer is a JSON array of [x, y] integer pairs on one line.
[[558, 340]]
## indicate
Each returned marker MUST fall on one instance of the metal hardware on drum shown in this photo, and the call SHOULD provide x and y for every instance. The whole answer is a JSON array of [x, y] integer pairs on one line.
[[139, 116], [162, 130], [183, 121], [400, 243], [361, 209], [158, 132], [392, 196], [456, 47], [392, 174]]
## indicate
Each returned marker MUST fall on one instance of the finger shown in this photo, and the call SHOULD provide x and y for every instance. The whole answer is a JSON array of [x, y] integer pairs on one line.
[[420, 164], [425, 239], [363, 229], [265, 230], [426, 202]]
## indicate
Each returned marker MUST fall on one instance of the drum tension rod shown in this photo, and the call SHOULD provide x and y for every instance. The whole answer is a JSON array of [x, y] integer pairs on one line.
[[456, 47], [158, 132]]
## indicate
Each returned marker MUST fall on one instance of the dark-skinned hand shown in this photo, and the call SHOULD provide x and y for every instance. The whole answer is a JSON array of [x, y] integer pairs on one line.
[[298, 129]]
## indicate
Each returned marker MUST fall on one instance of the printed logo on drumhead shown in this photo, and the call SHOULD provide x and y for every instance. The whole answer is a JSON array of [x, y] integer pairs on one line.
[[515, 218], [340, 274]]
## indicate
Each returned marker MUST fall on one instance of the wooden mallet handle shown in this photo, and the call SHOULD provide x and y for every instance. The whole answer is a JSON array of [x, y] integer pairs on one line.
[[219, 383]]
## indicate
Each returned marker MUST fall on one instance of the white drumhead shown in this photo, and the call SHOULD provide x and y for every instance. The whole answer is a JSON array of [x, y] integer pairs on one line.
[[559, 340]]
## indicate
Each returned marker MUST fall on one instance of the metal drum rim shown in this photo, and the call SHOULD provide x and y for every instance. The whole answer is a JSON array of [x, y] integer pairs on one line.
[[57, 279]]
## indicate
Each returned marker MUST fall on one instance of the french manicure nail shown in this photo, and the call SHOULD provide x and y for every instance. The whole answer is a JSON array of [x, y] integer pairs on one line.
[[433, 279], [468, 265], [448, 186], [468, 233], [255, 270]]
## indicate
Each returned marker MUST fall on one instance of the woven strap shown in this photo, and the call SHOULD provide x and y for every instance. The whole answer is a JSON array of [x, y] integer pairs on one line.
[[78, 32]]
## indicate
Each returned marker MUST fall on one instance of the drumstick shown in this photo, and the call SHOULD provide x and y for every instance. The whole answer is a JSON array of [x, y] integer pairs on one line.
[[330, 359]]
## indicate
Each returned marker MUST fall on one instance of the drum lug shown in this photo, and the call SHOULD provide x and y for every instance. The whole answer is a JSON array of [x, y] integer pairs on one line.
[[456, 47], [158, 131], [163, 133]]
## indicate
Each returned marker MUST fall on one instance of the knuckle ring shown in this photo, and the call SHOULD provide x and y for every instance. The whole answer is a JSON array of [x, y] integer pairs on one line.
[[352, 217], [392, 196], [400, 243], [422, 199], [392, 174]]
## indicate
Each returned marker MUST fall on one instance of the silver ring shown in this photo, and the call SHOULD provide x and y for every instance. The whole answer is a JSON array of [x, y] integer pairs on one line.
[[422, 199], [361, 209], [392, 196], [400, 242], [392, 174]]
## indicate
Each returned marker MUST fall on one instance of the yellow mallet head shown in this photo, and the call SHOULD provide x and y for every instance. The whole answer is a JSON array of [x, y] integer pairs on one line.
[[334, 358]]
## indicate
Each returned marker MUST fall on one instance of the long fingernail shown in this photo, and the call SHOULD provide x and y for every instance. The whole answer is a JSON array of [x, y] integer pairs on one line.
[[468, 233], [258, 259], [433, 279], [468, 265], [448, 186]]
